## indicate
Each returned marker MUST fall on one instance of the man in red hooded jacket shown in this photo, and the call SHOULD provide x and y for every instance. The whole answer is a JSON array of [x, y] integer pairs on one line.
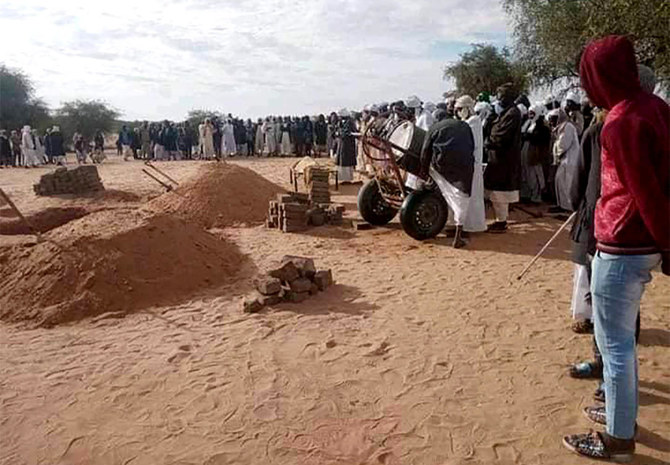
[[632, 228]]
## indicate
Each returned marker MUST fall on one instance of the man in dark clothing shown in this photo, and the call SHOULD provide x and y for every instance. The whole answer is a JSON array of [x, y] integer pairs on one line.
[[308, 135], [632, 230], [502, 178], [5, 150], [447, 157], [250, 131], [47, 146], [57, 146], [320, 135], [15, 139]]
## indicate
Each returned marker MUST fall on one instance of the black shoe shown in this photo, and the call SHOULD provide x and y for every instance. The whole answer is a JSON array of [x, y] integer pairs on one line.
[[499, 227], [586, 370], [601, 446]]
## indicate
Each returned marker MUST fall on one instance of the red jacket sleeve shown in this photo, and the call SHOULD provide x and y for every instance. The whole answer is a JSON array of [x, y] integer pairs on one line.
[[630, 141]]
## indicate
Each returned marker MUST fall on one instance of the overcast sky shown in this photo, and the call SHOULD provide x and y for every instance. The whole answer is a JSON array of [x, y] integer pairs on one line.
[[155, 59]]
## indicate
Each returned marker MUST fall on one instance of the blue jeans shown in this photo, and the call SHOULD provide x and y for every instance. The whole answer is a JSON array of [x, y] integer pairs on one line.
[[617, 285]]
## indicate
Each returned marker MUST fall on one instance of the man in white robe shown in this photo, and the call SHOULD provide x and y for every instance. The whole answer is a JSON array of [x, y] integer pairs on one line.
[[29, 148], [475, 219]]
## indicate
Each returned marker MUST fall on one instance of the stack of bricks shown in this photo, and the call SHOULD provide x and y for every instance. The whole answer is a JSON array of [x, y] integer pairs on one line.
[[318, 186], [69, 181], [294, 280], [289, 212]]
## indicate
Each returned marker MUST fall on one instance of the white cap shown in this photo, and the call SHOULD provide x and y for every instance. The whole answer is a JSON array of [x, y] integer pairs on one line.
[[413, 102]]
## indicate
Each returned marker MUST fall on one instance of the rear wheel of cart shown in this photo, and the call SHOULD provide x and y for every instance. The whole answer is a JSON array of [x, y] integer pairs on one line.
[[372, 206], [424, 214]]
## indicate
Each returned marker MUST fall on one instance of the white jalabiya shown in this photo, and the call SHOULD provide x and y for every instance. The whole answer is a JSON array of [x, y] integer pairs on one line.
[[201, 138], [286, 143], [208, 142], [459, 202], [476, 218], [424, 122], [229, 146], [28, 148], [581, 293], [270, 139], [260, 138]]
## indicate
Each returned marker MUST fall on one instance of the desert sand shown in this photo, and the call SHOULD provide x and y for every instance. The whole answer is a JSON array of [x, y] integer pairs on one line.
[[421, 354]]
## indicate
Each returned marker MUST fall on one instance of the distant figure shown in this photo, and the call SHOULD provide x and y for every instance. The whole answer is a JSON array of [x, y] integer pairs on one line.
[[228, 134], [260, 138], [15, 139], [536, 139], [566, 152], [145, 140], [126, 140], [208, 149], [346, 147], [57, 146], [79, 148], [98, 155], [321, 136], [5, 150], [28, 148]]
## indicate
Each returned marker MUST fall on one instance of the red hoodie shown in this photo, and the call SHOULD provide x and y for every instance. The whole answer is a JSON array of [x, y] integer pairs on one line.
[[633, 213]]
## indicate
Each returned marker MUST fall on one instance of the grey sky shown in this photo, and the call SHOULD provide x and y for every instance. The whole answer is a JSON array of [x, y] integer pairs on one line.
[[159, 59]]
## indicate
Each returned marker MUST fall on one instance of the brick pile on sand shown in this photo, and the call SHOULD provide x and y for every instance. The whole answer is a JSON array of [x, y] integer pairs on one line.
[[112, 261], [221, 195]]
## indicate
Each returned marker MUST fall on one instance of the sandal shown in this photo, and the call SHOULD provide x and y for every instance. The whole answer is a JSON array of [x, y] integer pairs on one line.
[[582, 327], [599, 394], [601, 446], [586, 370], [598, 415]]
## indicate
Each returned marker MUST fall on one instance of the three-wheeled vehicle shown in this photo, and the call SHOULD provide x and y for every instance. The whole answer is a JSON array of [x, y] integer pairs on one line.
[[392, 152]]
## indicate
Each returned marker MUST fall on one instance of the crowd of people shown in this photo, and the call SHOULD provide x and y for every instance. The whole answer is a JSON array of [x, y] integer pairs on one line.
[[604, 156], [607, 159]]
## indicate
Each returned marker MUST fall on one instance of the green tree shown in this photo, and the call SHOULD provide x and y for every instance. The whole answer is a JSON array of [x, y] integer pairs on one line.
[[485, 68], [195, 117], [85, 117], [18, 104], [550, 34]]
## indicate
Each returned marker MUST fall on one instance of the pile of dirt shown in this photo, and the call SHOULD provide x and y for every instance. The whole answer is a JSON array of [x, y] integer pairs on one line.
[[112, 261], [221, 195]]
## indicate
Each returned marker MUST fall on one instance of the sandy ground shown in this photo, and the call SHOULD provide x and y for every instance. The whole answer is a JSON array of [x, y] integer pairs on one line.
[[420, 354]]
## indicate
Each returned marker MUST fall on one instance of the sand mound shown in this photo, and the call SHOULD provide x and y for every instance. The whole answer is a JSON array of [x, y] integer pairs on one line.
[[221, 195], [111, 261]]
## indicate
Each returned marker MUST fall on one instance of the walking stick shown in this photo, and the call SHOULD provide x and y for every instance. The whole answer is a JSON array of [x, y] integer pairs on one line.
[[546, 246], [13, 206]]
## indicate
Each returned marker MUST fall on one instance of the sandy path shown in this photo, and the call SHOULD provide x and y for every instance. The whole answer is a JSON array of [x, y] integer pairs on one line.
[[420, 355]]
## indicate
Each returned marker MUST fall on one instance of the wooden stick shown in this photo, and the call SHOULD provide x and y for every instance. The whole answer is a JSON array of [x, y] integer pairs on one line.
[[11, 204], [151, 165], [165, 185], [546, 246]]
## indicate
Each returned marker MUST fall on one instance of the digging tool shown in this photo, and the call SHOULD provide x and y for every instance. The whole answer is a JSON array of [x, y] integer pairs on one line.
[[546, 246], [13, 206], [167, 186], [161, 172]]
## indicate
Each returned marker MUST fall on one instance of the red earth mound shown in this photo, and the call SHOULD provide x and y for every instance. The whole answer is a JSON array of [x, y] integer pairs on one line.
[[111, 261], [222, 195]]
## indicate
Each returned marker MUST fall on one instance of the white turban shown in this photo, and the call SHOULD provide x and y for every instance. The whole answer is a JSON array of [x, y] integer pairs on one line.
[[374, 108], [572, 97], [344, 113], [522, 108], [367, 108], [413, 102], [538, 108], [26, 128], [465, 102], [429, 106]]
